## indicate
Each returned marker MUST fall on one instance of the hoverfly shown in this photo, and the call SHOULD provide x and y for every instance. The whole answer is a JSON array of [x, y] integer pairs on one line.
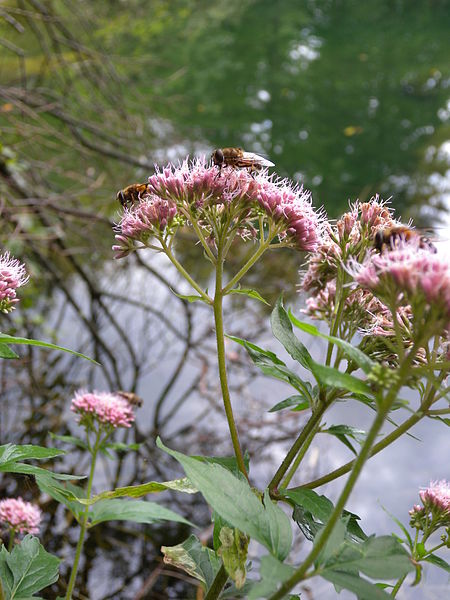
[[132, 398], [388, 238], [237, 158], [131, 194]]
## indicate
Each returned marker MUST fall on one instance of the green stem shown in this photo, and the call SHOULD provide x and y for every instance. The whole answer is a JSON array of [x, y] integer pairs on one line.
[[381, 445], [434, 549], [185, 274], [218, 320], [340, 300], [298, 459], [2, 593], [314, 420], [217, 585], [251, 261], [201, 237], [364, 454], [85, 518], [12, 535], [397, 586]]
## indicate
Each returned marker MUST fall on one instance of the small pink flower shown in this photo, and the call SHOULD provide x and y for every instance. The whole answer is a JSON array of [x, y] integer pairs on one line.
[[19, 515], [105, 407], [436, 497], [12, 276], [375, 214], [412, 271], [291, 206]]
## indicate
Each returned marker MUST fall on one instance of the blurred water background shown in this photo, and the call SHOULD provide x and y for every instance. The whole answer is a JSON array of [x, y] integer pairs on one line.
[[349, 98]]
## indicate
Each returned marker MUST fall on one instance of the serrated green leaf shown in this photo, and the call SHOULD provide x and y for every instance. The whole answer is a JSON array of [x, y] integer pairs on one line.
[[335, 542], [27, 569], [334, 378], [298, 402], [233, 499], [228, 462], [355, 354], [438, 562], [319, 506], [377, 557], [271, 365], [195, 559], [250, 293], [69, 439], [6, 352], [282, 330], [66, 494], [152, 487], [189, 297], [17, 467], [13, 452], [315, 512], [273, 574], [138, 511], [342, 431], [325, 375], [359, 586], [9, 339]]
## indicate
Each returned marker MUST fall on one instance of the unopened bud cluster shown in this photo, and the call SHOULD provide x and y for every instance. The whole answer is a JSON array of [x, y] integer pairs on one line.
[[435, 509]]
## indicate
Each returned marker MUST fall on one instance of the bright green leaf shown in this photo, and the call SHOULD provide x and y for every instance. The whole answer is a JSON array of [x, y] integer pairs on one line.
[[66, 494], [189, 298], [19, 340], [12, 452], [298, 402], [334, 378], [138, 511], [233, 499], [273, 574], [361, 587], [377, 557], [27, 569], [438, 562], [315, 511], [6, 352], [250, 293], [271, 365], [282, 330], [152, 487], [355, 354]]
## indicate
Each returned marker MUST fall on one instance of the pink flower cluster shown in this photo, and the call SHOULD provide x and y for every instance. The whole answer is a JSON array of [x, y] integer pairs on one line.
[[436, 497], [12, 276], [105, 407], [195, 190], [351, 236], [19, 515], [435, 511], [413, 273]]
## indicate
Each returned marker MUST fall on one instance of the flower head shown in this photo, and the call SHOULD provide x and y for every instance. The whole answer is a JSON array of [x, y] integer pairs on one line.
[[410, 274], [350, 237], [104, 407], [220, 202], [19, 515], [436, 497], [12, 276], [435, 511]]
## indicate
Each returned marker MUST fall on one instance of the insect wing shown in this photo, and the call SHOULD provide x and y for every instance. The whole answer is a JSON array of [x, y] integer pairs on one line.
[[253, 158]]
